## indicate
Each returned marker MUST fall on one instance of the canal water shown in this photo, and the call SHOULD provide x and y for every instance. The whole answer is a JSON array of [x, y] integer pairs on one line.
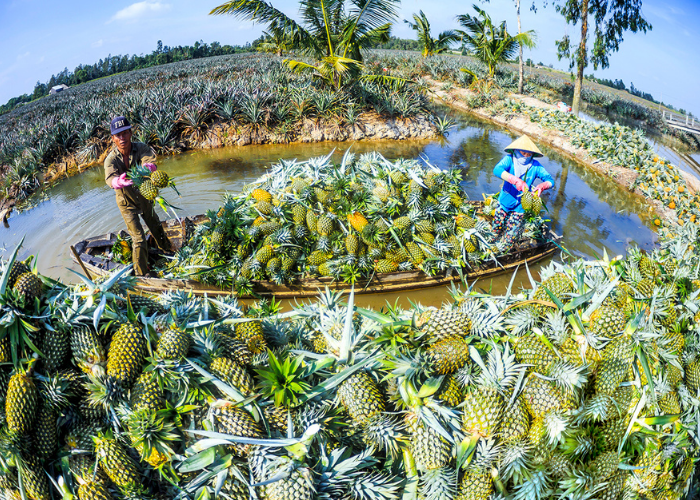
[[593, 214]]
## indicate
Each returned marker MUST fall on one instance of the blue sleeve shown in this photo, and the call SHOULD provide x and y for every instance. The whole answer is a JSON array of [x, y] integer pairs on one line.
[[505, 165], [544, 176]]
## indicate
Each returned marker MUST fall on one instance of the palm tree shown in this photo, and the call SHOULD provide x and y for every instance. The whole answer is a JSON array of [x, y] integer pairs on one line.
[[275, 42], [491, 44], [431, 45], [334, 32]]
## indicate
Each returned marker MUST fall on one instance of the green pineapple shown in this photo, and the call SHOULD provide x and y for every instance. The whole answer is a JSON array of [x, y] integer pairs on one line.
[[94, 490], [429, 449], [251, 333], [116, 462], [352, 243], [29, 286], [450, 393], [424, 226], [21, 402], [160, 179], [464, 221], [232, 373], [361, 397], [34, 479], [385, 266], [146, 394], [87, 350], [438, 324], [46, 433], [318, 257], [527, 200], [484, 404], [55, 348], [402, 223], [415, 252], [264, 254], [475, 485], [264, 207], [148, 190], [235, 421], [299, 485], [607, 321], [616, 362], [516, 421], [17, 270], [560, 285], [530, 350], [325, 225], [541, 396], [126, 354], [173, 344], [448, 355]]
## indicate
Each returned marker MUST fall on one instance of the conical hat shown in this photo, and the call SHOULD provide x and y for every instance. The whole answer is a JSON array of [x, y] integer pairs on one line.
[[526, 144]]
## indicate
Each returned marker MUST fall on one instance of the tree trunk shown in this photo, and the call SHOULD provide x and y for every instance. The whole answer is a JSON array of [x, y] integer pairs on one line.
[[581, 62], [520, 65]]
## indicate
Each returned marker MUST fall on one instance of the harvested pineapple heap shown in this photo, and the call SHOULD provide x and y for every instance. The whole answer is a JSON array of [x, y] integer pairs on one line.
[[349, 221], [585, 386]]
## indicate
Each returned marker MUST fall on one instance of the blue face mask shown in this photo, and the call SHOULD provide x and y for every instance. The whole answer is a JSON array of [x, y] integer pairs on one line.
[[522, 159]]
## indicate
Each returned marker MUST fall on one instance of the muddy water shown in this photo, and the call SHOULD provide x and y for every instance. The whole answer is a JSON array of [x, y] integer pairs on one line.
[[593, 214]]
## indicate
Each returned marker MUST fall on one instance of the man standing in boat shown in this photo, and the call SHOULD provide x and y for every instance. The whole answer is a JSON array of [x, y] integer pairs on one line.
[[129, 200], [519, 169]]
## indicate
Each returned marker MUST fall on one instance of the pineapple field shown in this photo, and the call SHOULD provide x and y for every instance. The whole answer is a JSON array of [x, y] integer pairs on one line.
[[347, 221], [585, 385]]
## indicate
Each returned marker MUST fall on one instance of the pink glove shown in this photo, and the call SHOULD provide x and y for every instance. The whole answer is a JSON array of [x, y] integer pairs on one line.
[[121, 182], [519, 184], [151, 166], [542, 187]]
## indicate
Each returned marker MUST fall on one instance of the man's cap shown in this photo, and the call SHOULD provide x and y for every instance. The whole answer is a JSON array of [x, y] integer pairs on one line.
[[119, 124], [524, 143]]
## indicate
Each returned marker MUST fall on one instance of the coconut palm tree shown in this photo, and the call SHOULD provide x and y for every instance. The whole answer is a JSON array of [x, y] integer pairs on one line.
[[275, 42], [334, 32], [429, 44], [491, 44]]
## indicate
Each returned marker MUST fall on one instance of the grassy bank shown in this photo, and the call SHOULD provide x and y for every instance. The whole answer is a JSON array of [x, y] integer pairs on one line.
[[174, 106]]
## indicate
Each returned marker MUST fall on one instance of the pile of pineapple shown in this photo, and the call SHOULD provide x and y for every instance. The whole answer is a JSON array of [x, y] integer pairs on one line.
[[349, 221], [587, 385]]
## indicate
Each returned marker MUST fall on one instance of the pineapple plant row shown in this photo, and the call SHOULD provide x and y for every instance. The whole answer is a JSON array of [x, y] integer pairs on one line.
[[347, 222]]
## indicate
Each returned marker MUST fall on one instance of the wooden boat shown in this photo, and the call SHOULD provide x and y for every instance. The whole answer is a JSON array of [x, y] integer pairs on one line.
[[91, 252]]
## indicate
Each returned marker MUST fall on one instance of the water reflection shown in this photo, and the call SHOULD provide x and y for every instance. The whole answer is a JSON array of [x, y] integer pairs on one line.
[[591, 212]]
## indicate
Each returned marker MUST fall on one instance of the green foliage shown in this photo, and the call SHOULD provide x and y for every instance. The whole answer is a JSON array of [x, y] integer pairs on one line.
[[283, 381], [489, 43], [428, 44]]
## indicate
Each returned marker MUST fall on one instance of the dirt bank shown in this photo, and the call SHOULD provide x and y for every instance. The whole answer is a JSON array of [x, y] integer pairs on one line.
[[518, 122]]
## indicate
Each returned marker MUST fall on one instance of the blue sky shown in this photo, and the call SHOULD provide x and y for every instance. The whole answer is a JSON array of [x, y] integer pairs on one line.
[[41, 37]]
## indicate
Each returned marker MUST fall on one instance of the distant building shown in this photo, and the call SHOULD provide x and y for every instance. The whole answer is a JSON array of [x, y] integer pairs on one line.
[[58, 88]]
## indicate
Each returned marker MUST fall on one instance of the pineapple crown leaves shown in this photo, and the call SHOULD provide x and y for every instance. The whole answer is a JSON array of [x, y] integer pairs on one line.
[[56, 391], [149, 430], [501, 370], [139, 174], [438, 483], [537, 487], [384, 433], [283, 380], [515, 461], [488, 454]]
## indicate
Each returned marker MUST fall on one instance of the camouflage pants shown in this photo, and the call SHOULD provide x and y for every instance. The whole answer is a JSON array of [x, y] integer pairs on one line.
[[509, 227], [139, 245]]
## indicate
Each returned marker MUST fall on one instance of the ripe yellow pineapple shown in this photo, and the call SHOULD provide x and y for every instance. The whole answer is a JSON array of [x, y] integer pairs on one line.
[[361, 397], [127, 352]]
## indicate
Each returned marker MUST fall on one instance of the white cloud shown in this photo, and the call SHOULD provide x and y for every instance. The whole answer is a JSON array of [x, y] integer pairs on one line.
[[139, 10], [98, 43], [23, 56]]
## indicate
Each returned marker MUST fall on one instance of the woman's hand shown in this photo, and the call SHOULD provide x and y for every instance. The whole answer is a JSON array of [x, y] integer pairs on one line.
[[519, 184], [542, 187]]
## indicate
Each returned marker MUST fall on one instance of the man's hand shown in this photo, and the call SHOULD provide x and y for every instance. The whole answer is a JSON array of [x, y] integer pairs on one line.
[[542, 187], [151, 166], [121, 182]]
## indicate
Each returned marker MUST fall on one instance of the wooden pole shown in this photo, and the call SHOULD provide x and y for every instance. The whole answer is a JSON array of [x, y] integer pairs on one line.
[[80, 261]]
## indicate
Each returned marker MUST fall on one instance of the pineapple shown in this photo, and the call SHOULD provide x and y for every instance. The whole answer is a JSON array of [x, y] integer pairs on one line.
[[450, 392], [34, 479], [527, 200], [541, 396], [352, 243], [21, 402], [148, 190], [448, 355], [29, 286], [262, 195], [484, 404], [357, 221], [476, 485], [530, 350], [173, 344], [251, 333], [17, 270], [46, 433], [126, 354], [56, 348], [607, 321], [160, 179], [87, 350], [324, 226], [615, 364], [361, 397], [560, 285], [402, 223], [299, 485], [415, 252], [235, 421], [516, 421], [146, 393], [116, 462], [464, 221], [385, 266], [430, 450], [232, 373], [438, 324], [94, 489]]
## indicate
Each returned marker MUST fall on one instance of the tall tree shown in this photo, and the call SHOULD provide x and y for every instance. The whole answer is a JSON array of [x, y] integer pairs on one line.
[[611, 19], [332, 31], [430, 45], [491, 44]]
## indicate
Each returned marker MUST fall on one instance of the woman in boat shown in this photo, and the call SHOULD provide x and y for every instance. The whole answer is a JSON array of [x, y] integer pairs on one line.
[[129, 200], [519, 169]]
